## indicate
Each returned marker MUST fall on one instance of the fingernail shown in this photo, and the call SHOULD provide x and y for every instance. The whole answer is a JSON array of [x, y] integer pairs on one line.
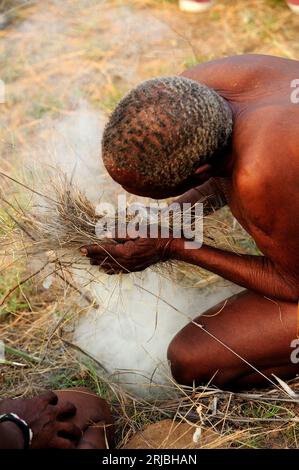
[[84, 251]]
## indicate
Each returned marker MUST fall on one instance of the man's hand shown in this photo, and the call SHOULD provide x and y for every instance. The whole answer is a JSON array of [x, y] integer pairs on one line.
[[93, 417], [47, 420], [129, 256]]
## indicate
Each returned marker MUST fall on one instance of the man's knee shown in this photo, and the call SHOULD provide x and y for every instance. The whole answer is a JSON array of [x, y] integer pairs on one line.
[[199, 367], [185, 367]]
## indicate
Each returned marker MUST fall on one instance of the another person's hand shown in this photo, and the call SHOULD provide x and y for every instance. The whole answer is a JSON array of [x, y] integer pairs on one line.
[[93, 417], [47, 419], [130, 256]]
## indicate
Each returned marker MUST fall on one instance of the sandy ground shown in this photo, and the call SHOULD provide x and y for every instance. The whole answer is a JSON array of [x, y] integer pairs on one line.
[[60, 53]]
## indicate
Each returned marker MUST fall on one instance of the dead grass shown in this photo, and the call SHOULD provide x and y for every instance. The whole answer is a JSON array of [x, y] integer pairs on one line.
[[267, 418], [96, 51]]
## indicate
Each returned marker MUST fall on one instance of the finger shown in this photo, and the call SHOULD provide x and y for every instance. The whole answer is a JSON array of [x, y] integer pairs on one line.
[[50, 397], [65, 411], [107, 263], [93, 438], [113, 272], [108, 250], [112, 267], [69, 431], [61, 443], [126, 239], [92, 250]]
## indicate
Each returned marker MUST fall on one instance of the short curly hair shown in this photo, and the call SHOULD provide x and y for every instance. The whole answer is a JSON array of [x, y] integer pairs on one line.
[[163, 129]]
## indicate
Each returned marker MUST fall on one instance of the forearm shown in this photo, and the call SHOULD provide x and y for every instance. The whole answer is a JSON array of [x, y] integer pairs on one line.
[[192, 197], [10, 436], [252, 272], [208, 194]]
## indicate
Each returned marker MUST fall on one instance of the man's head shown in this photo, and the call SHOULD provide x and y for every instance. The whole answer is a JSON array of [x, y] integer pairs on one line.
[[162, 133]]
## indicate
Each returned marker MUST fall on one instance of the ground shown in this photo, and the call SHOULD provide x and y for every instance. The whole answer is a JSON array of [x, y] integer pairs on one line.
[[56, 55]]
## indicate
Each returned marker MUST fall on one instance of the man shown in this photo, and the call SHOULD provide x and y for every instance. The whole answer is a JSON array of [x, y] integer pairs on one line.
[[227, 129], [198, 6], [67, 419]]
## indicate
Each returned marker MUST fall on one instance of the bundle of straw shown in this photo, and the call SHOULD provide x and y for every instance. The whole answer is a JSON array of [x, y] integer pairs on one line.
[[63, 220]]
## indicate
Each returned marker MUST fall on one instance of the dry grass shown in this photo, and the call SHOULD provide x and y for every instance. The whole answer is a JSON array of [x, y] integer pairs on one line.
[[55, 225], [266, 418], [37, 327], [96, 51]]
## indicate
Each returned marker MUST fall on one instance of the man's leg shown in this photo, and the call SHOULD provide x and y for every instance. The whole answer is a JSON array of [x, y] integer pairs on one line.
[[258, 329]]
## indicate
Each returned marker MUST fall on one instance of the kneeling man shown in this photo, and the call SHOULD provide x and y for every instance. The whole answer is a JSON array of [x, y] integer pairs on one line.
[[226, 131]]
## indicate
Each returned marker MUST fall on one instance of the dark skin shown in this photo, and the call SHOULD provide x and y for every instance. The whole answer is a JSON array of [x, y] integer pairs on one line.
[[65, 419], [258, 178], [93, 417], [48, 420]]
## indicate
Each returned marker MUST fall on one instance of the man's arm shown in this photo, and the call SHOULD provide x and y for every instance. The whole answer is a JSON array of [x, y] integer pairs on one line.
[[11, 436], [252, 272], [209, 194]]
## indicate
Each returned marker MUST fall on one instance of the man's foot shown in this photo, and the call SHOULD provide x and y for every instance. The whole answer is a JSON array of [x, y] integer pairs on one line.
[[195, 6], [294, 5]]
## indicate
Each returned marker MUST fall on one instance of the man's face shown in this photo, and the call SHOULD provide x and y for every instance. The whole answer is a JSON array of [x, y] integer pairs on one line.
[[154, 193], [133, 183], [150, 192]]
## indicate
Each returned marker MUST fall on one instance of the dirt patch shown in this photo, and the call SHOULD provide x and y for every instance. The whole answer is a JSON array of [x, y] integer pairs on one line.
[[168, 434]]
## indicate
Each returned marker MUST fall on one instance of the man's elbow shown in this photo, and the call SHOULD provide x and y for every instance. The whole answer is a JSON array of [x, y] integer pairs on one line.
[[294, 294], [289, 291], [284, 285]]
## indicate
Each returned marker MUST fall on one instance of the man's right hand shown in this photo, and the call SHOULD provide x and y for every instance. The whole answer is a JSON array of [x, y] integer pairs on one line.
[[48, 420]]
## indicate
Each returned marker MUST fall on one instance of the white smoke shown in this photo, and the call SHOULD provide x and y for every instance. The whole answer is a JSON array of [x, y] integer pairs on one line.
[[138, 314]]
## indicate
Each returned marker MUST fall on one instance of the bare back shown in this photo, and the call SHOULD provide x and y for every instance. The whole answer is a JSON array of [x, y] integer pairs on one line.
[[262, 192]]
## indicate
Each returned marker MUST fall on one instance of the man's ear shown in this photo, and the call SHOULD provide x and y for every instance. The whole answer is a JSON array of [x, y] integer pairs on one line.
[[203, 172]]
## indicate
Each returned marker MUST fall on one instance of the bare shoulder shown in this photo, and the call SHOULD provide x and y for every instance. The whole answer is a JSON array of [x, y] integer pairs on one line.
[[242, 68], [267, 149]]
